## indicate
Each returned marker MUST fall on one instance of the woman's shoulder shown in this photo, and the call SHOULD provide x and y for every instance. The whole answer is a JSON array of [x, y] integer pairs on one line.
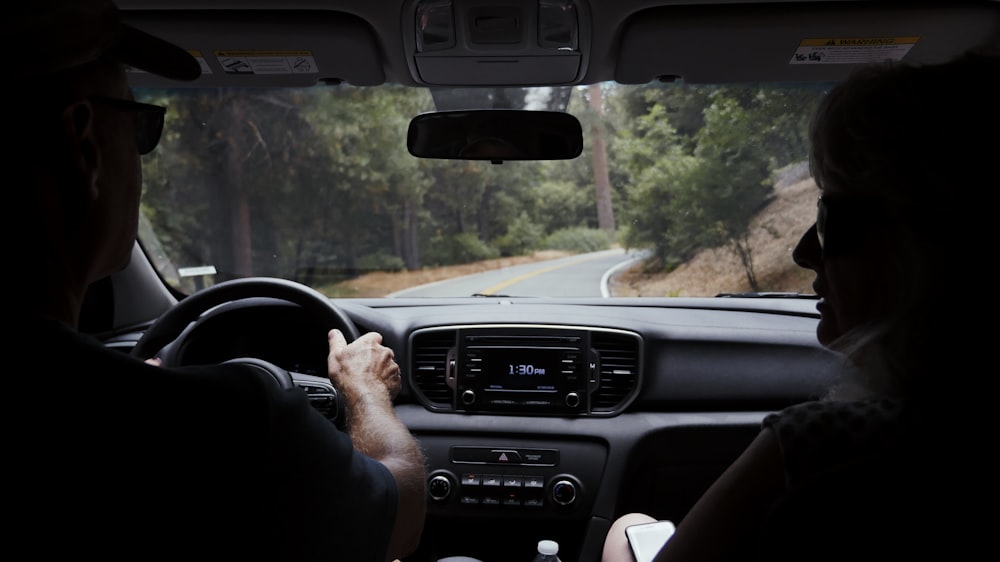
[[854, 413], [816, 435]]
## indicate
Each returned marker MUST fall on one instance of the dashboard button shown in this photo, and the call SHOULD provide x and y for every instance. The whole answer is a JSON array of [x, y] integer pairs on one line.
[[512, 481], [534, 482], [503, 456], [491, 480], [545, 457]]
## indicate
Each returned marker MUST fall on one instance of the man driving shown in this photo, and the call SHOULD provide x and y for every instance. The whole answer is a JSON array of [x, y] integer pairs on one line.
[[119, 458]]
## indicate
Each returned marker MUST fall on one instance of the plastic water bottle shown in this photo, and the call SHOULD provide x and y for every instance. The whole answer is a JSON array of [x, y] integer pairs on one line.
[[547, 551]]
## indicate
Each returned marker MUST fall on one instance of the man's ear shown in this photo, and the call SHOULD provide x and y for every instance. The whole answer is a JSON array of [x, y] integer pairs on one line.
[[78, 121]]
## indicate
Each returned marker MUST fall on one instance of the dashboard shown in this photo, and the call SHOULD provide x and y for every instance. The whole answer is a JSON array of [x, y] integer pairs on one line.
[[546, 419]]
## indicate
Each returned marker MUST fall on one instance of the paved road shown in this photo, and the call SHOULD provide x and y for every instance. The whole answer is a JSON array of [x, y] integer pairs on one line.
[[582, 275]]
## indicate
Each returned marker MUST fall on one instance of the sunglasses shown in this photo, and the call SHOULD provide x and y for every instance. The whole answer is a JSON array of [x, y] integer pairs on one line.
[[148, 121], [844, 223]]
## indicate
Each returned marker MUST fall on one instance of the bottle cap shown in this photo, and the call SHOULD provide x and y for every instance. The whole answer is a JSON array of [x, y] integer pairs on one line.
[[548, 547]]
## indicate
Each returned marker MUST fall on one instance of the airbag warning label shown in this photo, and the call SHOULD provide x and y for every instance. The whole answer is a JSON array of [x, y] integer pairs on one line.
[[852, 50], [267, 62]]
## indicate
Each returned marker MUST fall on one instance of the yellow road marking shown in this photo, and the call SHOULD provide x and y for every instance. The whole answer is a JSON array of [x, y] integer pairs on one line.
[[520, 278]]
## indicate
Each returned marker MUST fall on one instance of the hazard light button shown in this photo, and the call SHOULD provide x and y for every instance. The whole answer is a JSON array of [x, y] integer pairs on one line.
[[507, 455], [503, 456]]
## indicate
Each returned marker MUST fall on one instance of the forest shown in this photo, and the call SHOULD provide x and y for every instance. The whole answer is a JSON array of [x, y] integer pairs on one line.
[[326, 190]]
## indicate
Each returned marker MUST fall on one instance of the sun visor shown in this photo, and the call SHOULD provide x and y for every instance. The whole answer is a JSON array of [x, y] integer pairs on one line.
[[704, 44], [290, 49]]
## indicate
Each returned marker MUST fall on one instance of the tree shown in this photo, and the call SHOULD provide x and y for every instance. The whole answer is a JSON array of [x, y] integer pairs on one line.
[[247, 152], [700, 183], [602, 182], [374, 188], [658, 167], [748, 134]]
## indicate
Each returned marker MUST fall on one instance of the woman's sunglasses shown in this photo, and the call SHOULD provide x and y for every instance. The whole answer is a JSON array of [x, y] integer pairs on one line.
[[844, 223], [148, 121]]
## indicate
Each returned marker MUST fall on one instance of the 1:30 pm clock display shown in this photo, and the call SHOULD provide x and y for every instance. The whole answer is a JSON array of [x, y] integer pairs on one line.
[[523, 368]]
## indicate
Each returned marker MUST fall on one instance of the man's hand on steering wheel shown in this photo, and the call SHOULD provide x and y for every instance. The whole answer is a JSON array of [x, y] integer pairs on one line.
[[161, 341], [364, 366]]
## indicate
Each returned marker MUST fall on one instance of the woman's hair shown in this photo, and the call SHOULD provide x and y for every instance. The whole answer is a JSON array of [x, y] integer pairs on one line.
[[919, 145]]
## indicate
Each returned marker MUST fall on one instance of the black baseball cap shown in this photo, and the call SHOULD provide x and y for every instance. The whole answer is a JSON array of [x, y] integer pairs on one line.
[[57, 35]]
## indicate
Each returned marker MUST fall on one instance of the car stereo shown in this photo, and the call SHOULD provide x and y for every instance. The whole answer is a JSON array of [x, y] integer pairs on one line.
[[523, 369]]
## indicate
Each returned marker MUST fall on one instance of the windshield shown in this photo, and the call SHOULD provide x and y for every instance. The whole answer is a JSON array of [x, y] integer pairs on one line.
[[680, 191]]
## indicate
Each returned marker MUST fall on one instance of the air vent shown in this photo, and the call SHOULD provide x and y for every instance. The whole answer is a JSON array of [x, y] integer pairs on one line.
[[123, 342], [124, 347], [430, 358], [619, 356]]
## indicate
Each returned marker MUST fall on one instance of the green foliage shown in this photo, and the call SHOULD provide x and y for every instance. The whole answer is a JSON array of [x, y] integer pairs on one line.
[[660, 210], [481, 197], [522, 237], [578, 240], [699, 163], [562, 204], [327, 167], [459, 248]]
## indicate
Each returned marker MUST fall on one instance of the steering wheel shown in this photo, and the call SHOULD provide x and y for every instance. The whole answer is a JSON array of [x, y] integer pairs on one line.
[[172, 324]]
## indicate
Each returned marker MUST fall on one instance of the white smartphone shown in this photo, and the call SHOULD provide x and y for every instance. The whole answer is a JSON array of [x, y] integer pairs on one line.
[[646, 539]]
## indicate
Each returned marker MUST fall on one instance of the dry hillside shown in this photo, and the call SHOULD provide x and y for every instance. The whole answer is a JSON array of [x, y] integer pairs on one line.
[[711, 272]]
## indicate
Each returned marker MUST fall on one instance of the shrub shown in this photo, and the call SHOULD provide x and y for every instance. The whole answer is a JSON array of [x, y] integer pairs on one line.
[[522, 237], [458, 248], [578, 240]]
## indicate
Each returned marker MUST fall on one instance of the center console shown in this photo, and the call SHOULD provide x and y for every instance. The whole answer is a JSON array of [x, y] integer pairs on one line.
[[499, 496], [542, 371], [492, 477], [526, 370]]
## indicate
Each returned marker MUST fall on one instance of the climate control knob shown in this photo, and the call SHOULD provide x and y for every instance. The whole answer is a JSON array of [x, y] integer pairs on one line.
[[564, 491], [439, 487]]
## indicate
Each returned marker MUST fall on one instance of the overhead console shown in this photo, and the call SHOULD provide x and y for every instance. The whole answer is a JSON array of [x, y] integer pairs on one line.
[[526, 369], [496, 42]]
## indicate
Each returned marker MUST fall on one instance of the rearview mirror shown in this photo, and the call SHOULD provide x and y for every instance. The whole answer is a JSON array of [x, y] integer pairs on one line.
[[495, 135]]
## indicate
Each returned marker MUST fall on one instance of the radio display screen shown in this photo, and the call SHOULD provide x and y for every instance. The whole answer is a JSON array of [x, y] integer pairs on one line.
[[520, 368]]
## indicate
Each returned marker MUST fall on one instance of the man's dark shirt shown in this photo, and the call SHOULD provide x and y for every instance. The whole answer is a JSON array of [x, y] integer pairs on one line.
[[110, 457]]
